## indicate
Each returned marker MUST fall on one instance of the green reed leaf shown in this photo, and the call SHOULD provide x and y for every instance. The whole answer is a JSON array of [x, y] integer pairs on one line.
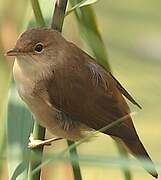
[[81, 4]]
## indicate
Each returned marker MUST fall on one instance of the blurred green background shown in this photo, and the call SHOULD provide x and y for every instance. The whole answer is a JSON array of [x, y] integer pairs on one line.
[[132, 35]]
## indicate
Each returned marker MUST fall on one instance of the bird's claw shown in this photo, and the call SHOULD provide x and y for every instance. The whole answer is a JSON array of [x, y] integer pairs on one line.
[[35, 143]]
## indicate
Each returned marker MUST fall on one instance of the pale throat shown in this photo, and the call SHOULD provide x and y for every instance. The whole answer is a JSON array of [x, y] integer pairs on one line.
[[29, 69]]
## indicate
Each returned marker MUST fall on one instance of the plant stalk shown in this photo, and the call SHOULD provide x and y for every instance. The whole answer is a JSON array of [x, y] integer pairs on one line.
[[37, 13], [36, 154], [74, 160], [59, 14]]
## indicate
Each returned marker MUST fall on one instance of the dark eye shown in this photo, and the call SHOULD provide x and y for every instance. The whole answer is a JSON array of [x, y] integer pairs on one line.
[[39, 47]]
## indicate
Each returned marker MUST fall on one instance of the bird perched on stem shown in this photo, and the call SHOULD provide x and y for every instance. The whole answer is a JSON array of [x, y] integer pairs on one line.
[[69, 93]]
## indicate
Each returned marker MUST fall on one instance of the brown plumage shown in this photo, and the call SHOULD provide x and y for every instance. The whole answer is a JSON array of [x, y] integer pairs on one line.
[[69, 92]]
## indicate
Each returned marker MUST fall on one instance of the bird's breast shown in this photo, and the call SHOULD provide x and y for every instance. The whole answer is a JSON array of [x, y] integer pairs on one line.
[[29, 92], [24, 84]]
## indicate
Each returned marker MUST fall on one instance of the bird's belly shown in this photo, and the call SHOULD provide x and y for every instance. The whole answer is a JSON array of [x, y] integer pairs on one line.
[[47, 117]]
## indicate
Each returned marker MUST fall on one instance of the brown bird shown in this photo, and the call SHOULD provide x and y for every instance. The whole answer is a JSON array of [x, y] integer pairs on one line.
[[69, 93]]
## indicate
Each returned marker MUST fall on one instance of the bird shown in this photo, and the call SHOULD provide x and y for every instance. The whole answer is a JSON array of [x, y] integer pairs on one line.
[[69, 93]]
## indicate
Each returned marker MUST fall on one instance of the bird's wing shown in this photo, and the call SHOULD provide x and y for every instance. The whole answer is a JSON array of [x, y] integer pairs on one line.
[[125, 93], [87, 93], [84, 92]]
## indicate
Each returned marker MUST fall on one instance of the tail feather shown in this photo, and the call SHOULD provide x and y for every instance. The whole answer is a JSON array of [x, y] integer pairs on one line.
[[138, 150]]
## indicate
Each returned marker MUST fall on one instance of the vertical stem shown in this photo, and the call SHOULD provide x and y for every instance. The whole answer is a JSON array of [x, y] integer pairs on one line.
[[59, 13], [74, 161], [37, 12], [36, 154], [38, 131], [124, 153], [57, 24]]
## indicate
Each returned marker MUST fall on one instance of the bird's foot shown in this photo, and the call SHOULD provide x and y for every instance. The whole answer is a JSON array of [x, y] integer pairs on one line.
[[35, 143]]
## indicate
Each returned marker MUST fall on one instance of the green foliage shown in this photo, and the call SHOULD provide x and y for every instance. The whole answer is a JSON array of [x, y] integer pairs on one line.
[[4, 81], [37, 12], [81, 4], [74, 159], [19, 125]]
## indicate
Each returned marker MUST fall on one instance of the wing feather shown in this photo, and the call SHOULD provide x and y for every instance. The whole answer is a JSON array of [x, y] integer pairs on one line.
[[84, 91]]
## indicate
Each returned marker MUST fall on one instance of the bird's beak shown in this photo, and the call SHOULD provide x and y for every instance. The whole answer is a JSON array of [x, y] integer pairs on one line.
[[13, 52]]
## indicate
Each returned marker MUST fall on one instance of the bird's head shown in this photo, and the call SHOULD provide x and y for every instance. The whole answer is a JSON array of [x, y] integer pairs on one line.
[[38, 46]]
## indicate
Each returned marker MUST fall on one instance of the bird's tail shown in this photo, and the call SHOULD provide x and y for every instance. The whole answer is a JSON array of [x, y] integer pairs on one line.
[[138, 150]]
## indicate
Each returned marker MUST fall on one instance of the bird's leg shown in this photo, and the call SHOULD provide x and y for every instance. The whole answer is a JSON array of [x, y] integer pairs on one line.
[[35, 143]]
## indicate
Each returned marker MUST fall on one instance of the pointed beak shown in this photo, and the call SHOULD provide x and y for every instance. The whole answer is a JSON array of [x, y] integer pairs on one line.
[[13, 52]]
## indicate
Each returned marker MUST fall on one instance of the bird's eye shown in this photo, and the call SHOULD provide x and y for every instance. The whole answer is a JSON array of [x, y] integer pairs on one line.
[[39, 47]]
